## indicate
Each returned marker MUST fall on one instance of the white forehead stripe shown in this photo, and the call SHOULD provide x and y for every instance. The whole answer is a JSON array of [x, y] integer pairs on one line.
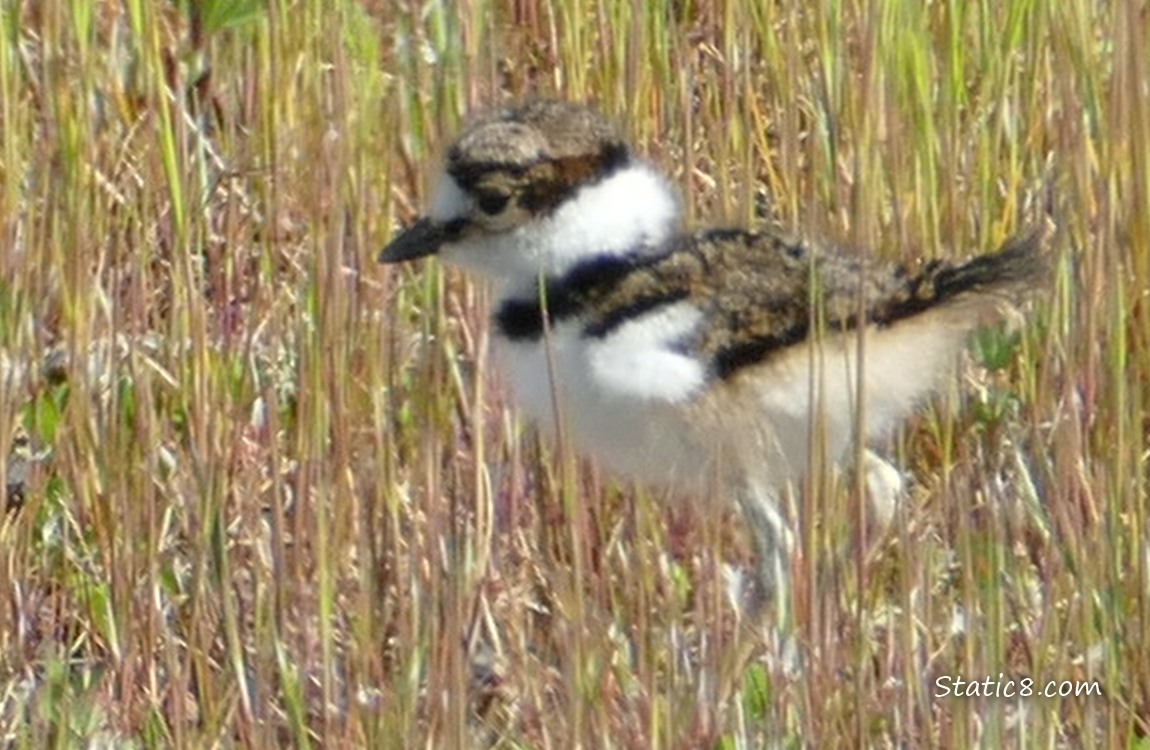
[[450, 201]]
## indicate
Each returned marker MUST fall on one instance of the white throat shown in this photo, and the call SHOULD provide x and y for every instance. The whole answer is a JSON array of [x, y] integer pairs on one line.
[[633, 210]]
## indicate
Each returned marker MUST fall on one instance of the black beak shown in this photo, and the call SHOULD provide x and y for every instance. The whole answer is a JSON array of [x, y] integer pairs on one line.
[[422, 238]]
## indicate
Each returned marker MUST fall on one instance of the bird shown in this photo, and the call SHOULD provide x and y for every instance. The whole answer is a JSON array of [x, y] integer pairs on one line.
[[694, 359]]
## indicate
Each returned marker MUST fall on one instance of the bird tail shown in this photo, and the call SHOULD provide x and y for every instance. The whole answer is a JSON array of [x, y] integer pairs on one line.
[[1019, 265]]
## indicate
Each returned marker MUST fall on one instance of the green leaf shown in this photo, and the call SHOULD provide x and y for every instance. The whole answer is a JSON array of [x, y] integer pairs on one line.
[[994, 347], [219, 15], [229, 14], [756, 692]]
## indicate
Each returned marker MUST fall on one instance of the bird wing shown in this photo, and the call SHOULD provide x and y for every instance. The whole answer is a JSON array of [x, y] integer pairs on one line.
[[762, 292]]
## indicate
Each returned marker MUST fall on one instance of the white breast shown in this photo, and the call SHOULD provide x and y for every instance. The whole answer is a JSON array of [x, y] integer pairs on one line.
[[623, 398]]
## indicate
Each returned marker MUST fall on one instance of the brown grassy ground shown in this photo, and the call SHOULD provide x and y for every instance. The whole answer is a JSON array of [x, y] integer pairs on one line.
[[267, 493]]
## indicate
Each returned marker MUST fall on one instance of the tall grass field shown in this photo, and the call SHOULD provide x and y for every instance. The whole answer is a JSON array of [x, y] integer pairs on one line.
[[261, 491]]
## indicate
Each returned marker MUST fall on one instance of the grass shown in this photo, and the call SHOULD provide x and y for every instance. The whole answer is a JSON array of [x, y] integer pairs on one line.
[[264, 492]]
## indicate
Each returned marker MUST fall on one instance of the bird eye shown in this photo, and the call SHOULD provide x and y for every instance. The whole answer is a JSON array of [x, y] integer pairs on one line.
[[492, 203]]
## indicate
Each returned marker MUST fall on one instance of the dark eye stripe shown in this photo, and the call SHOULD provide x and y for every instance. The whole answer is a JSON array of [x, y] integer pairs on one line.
[[453, 228]]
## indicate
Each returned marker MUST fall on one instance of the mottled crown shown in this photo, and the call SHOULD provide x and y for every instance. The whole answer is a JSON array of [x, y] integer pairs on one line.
[[541, 150]]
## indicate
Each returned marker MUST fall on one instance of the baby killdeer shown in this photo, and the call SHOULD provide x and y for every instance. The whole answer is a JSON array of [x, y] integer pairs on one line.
[[694, 359]]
